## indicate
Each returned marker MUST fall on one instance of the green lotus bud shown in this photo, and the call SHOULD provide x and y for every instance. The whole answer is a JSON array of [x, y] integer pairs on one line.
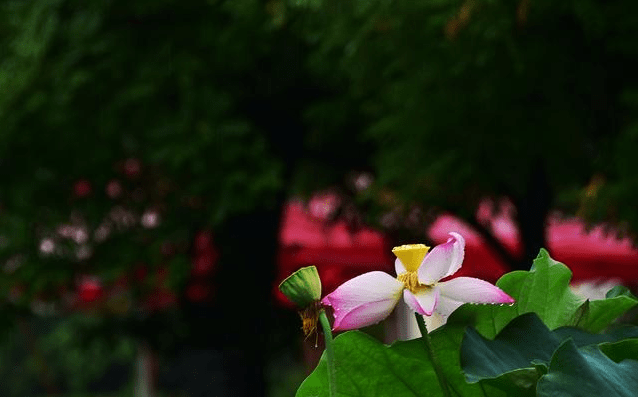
[[303, 287]]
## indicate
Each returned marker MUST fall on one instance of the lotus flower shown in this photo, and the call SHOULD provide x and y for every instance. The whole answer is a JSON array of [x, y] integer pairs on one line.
[[371, 297]]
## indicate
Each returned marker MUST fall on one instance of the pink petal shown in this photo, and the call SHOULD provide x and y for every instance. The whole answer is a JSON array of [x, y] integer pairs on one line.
[[422, 302], [364, 300], [398, 267], [446, 306], [468, 289], [444, 260]]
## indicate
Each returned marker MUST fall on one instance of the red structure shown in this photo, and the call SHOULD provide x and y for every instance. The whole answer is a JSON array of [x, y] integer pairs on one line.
[[307, 238]]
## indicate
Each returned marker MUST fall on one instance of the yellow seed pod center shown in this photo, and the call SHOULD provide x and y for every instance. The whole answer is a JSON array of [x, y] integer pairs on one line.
[[411, 255]]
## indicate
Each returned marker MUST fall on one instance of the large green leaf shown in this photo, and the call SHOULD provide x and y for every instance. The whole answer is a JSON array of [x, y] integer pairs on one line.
[[621, 350], [587, 372], [583, 338], [544, 290], [446, 342], [366, 367], [521, 352], [507, 361], [596, 315]]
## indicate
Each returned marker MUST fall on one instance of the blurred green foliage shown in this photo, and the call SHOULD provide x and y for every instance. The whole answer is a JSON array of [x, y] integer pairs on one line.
[[90, 91], [468, 95], [49, 355]]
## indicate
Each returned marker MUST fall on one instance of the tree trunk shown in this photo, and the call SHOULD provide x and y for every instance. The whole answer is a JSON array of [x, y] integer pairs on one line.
[[248, 249], [144, 371], [532, 210]]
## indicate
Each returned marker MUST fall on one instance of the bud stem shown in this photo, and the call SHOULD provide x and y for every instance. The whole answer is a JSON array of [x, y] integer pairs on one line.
[[327, 334], [425, 337]]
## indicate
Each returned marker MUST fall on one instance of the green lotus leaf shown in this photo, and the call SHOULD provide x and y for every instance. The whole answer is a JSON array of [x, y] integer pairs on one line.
[[520, 354], [587, 372], [367, 368], [544, 290]]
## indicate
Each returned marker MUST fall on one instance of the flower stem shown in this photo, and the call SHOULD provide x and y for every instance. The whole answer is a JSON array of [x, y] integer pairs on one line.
[[425, 337], [327, 334]]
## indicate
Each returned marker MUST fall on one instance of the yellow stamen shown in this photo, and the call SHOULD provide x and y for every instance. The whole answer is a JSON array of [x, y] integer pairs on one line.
[[411, 281], [411, 255], [309, 318], [309, 325]]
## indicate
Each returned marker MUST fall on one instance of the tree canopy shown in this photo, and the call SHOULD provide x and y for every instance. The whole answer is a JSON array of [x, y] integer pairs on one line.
[[463, 100], [226, 106]]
